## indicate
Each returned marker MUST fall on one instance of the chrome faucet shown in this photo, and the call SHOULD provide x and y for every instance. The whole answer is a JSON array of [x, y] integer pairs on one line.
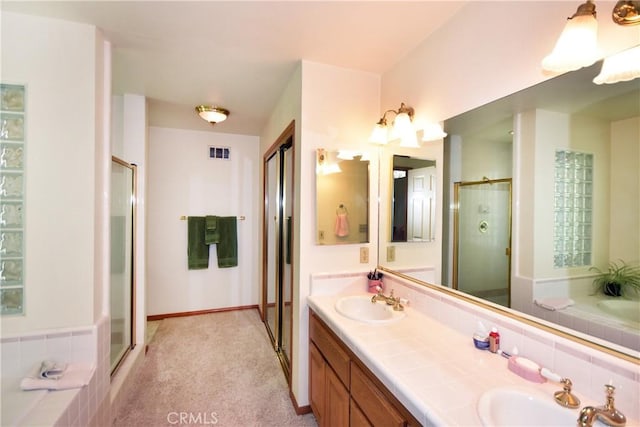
[[389, 300], [608, 414]]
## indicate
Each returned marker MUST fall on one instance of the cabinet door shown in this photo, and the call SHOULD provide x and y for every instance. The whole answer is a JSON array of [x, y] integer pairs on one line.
[[372, 401], [337, 401], [317, 369], [357, 417]]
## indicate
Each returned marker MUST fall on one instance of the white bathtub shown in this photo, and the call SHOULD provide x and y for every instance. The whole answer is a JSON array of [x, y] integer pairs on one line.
[[18, 404], [612, 319], [626, 310]]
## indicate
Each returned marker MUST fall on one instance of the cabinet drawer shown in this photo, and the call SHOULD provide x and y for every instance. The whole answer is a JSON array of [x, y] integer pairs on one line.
[[375, 406], [332, 351]]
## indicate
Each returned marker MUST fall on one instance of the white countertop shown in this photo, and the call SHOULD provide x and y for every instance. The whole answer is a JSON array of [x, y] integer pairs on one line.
[[435, 371]]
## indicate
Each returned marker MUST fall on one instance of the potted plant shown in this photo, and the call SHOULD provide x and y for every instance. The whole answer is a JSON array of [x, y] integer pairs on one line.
[[617, 280]]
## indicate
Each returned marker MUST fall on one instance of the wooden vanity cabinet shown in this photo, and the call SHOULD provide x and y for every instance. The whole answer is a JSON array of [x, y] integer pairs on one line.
[[329, 371], [342, 391]]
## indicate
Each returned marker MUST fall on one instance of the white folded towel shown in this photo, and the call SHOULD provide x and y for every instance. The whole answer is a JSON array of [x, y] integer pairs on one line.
[[74, 376], [554, 304]]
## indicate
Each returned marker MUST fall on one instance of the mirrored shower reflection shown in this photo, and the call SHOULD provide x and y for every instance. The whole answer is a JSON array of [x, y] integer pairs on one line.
[[482, 233]]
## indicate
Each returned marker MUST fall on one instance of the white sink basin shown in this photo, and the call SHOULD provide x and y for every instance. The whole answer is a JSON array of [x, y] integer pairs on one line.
[[360, 307], [514, 407]]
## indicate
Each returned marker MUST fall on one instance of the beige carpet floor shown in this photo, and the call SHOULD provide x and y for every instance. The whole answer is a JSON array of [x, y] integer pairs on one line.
[[214, 369]]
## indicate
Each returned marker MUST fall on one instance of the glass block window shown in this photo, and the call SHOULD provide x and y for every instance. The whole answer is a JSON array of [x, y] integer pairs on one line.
[[12, 184], [573, 215]]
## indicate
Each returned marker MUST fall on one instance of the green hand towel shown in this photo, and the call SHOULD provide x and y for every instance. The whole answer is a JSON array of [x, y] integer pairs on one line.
[[197, 250], [212, 232], [227, 247]]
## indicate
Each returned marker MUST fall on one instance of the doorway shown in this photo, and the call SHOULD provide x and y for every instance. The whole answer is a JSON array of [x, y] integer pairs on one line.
[[482, 239], [277, 278]]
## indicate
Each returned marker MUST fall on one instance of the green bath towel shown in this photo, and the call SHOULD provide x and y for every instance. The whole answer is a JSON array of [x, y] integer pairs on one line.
[[212, 232], [197, 250], [227, 246]]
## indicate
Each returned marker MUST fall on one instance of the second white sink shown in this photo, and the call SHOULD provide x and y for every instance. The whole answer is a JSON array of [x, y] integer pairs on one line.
[[515, 407], [360, 307]]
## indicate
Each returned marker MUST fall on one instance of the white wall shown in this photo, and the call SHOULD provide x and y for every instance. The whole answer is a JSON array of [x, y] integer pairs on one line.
[[61, 65], [332, 108], [183, 180], [625, 190], [337, 109]]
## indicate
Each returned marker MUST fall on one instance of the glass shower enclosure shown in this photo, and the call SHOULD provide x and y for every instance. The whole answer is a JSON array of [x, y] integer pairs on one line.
[[482, 239], [122, 283]]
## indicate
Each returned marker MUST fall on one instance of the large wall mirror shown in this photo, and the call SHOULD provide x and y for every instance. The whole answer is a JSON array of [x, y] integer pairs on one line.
[[342, 197], [571, 150]]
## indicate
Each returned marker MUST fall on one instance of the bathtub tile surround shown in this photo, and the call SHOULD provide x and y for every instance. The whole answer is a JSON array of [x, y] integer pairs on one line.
[[585, 315], [458, 368], [87, 406]]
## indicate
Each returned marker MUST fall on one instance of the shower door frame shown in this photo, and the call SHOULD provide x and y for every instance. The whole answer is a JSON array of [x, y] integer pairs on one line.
[[132, 289], [456, 230]]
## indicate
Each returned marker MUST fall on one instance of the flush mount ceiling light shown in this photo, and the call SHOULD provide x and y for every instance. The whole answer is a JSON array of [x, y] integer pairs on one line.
[[402, 128], [626, 13], [212, 114], [577, 46]]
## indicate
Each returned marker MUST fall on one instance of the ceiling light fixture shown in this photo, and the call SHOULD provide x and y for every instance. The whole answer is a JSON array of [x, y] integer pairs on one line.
[[402, 128], [212, 114], [577, 45]]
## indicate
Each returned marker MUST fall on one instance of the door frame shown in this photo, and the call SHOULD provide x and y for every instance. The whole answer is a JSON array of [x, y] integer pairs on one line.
[[286, 138], [456, 230]]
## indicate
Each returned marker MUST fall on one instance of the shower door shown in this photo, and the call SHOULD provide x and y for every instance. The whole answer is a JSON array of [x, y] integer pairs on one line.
[[482, 239], [277, 245], [122, 287]]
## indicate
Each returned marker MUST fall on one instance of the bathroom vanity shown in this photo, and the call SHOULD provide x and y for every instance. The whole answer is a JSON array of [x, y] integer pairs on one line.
[[422, 368], [342, 390]]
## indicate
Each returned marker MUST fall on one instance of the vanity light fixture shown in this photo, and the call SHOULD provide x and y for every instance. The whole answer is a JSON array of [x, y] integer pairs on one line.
[[212, 114], [577, 45], [433, 132], [325, 165], [402, 128], [620, 67], [626, 13]]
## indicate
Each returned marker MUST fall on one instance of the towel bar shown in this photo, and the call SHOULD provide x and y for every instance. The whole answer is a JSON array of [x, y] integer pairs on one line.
[[184, 217]]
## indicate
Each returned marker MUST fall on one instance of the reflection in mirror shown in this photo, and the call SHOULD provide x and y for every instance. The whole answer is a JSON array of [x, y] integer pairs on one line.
[[413, 203], [342, 197], [521, 137]]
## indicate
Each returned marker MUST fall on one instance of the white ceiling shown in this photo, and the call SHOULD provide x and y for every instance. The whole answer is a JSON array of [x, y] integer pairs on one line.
[[241, 54]]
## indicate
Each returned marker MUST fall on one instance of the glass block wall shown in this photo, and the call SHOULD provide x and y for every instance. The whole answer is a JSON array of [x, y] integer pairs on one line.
[[12, 144], [572, 239]]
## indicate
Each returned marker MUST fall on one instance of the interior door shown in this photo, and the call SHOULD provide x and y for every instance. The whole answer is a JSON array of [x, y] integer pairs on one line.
[[482, 238], [421, 212]]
